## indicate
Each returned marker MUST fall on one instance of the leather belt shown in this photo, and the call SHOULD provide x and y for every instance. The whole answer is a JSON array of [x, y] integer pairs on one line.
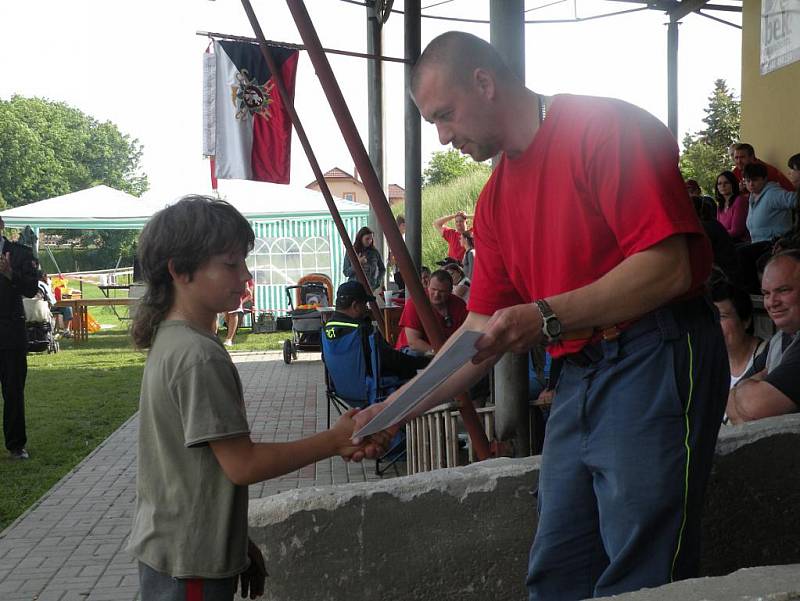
[[607, 333]]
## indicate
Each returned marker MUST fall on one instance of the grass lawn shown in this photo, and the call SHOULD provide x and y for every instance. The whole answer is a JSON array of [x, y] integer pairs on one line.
[[78, 397]]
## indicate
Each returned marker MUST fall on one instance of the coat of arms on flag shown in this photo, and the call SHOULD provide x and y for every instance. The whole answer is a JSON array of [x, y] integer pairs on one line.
[[246, 128]]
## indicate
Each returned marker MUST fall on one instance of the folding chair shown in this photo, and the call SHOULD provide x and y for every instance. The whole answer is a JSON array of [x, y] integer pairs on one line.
[[348, 385], [346, 381]]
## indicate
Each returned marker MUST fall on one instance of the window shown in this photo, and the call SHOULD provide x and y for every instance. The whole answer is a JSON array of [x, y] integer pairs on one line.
[[349, 196], [283, 261]]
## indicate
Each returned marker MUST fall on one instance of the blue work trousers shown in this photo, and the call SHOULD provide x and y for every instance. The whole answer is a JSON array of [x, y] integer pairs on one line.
[[627, 454]]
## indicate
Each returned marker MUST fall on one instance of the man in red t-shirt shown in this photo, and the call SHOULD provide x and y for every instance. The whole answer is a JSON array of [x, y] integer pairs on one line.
[[744, 154], [448, 308], [453, 236], [585, 239]]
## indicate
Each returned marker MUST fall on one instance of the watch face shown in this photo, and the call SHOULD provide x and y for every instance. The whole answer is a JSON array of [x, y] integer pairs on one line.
[[553, 328]]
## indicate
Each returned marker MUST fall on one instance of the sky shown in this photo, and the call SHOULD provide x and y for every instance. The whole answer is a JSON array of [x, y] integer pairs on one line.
[[138, 63]]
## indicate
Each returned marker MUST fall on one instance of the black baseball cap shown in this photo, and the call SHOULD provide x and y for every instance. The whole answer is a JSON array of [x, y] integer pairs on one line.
[[354, 291]]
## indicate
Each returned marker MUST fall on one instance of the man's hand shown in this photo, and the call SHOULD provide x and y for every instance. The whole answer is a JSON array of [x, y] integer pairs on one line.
[[374, 445], [253, 578], [513, 329], [342, 432], [5, 265]]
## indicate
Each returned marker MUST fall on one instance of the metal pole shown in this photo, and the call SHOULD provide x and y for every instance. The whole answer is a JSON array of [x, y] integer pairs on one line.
[[378, 199], [413, 138], [507, 34], [375, 115], [312, 159], [672, 76]]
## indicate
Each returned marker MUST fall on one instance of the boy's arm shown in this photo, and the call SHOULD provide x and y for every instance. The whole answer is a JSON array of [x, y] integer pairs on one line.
[[246, 462]]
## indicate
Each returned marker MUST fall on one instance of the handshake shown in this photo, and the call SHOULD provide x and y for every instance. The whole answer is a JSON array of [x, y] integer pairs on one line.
[[353, 449]]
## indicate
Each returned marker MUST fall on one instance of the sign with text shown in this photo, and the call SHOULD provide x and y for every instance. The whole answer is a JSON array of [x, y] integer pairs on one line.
[[780, 34]]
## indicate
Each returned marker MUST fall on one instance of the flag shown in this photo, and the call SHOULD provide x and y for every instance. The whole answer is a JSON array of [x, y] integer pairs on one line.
[[246, 127]]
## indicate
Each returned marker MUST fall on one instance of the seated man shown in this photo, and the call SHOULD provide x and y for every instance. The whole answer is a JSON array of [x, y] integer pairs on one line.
[[352, 318], [745, 154], [771, 387], [448, 308]]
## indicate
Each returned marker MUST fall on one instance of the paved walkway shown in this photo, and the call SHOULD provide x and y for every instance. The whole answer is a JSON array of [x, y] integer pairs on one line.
[[70, 545]]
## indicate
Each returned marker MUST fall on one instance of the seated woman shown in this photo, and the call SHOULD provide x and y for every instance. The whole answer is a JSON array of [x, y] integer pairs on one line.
[[461, 282], [736, 318], [732, 206]]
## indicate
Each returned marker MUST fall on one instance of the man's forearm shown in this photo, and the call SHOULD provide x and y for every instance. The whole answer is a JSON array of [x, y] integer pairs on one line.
[[639, 284]]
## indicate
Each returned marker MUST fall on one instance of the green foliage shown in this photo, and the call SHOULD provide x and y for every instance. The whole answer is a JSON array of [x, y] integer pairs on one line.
[[705, 153], [438, 200], [446, 165], [49, 148]]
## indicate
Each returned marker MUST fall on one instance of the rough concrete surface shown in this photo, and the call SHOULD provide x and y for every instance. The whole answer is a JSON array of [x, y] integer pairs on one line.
[[772, 583], [464, 533], [451, 534], [751, 516]]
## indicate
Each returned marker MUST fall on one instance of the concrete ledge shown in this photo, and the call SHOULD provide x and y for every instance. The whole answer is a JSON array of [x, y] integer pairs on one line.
[[772, 583], [464, 533], [457, 534]]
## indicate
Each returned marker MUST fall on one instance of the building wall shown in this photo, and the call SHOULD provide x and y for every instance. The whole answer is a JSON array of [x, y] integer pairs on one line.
[[340, 188], [770, 115]]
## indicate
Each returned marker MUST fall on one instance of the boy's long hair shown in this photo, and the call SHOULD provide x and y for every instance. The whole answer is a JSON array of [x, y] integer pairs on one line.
[[189, 232]]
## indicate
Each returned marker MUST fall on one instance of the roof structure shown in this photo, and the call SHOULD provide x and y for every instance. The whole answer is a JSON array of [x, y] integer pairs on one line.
[[102, 207]]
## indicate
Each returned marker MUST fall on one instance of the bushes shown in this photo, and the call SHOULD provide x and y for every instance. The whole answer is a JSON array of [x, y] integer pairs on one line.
[[80, 259]]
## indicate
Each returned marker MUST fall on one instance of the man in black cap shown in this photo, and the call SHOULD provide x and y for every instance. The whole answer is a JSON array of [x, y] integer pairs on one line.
[[351, 318], [18, 278]]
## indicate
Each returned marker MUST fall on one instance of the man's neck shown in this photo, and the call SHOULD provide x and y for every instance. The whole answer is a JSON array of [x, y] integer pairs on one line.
[[522, 121]]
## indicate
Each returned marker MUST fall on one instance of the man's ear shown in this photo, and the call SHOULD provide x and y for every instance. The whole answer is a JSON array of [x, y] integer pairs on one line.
[[484, 83]]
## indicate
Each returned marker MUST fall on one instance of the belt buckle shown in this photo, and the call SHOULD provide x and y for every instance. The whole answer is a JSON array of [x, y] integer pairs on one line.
[[611, 333]]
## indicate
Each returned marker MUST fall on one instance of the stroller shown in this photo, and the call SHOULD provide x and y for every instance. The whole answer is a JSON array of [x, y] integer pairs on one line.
[[40, 325], [306, 318]]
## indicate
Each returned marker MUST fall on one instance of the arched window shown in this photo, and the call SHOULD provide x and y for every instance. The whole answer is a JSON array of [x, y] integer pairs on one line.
[[315, 256], [284, 262]]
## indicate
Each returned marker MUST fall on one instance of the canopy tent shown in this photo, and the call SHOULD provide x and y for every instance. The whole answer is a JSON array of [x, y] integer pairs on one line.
[[99, 207], [105, 208], [294, 231]]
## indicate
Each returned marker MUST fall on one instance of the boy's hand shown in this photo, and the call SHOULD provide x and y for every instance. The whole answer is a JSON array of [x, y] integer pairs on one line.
[[342, 432], [377, 444], [254, 577]]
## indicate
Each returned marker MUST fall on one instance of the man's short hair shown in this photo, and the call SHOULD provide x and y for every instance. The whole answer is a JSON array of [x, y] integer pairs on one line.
[[746, 147], [794, 162], [400, 220], [793, 254], [754, 171], [461, 53], [443, 276]]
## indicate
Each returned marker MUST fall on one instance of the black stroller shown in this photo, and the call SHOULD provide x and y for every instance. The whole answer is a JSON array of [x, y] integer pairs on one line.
[[40, 326], [306, 319]]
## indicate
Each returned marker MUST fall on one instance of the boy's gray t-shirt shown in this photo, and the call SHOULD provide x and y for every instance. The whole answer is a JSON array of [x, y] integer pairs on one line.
[[190, 519]]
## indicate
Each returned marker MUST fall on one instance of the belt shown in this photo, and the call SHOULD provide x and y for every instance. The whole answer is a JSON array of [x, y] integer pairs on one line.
[[608, 333]]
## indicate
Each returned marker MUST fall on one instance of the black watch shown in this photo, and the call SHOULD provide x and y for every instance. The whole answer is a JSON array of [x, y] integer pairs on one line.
[[551, 327]]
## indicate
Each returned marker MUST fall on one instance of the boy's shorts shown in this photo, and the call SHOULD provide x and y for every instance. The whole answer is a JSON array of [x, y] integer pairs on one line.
[[157, 586]]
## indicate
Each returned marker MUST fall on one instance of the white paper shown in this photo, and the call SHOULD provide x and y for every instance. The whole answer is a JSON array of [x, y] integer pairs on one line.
[[422, 386]]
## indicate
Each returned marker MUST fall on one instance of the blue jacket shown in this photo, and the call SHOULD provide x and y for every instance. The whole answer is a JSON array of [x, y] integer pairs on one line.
[[770, 214]]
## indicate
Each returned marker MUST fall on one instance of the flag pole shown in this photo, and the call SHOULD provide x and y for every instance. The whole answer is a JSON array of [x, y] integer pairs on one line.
[[379, 204], [312, 159]]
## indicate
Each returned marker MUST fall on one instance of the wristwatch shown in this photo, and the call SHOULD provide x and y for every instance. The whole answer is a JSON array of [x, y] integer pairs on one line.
[[551, 326]]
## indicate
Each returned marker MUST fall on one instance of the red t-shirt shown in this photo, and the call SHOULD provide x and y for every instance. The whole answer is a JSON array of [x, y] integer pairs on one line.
[[773, 175], [454, 248], [456, 310], [599, 183]]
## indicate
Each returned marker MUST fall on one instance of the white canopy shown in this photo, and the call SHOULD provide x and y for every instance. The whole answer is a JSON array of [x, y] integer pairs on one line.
[[102, 207]]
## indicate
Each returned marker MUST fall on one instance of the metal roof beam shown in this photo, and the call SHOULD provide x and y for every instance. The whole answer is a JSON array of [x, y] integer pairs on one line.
[[684, 8], [669, 5]]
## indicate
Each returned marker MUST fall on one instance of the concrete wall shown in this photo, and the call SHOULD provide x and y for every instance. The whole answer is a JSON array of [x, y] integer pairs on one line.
[[769, 102], [464, 533]]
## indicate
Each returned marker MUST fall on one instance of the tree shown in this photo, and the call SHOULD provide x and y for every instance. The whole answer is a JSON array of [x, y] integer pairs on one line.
[[705, 153], [49, 148], [446, 165]]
